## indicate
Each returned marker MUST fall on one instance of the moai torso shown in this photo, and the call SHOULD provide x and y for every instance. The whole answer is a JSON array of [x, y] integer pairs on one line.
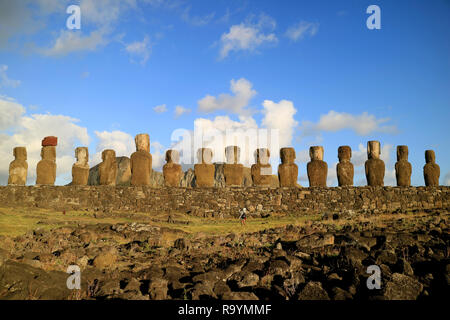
[[233, 171], [344, 168], [262, 170], [431, 170], [172, 170], [107, 170], [80, 169], [374, 166], [204, 171], [317, 168], [141, 161], [403, 168], [287, 170], [18, 168], [46, 168]]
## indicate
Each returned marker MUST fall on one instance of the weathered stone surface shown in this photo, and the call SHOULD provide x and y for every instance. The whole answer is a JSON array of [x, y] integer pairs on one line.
[[313, 291], [247, 180], [172, 170], [123, 173], [141, 161], [204, 170], [374, 166], [402, 287], [344, 168], [18, 168], [188, 179], [431, 170], [233, 171], [80, 169], [287, 170], [50, 141], [403, 168], [108, 168], [317, 168], [46, 168], [262, 170]]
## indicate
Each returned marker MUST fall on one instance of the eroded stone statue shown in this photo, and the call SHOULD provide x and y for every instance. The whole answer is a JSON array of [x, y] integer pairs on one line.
[[141, 161], [233, 171], [262, 170], [317, 168], [172, 170], [80, 169], [431, 170], [18, 168], [204, 170], [374, 166], [107, 170], [344, 168], [287, 170], [46, 168], [403, 168]]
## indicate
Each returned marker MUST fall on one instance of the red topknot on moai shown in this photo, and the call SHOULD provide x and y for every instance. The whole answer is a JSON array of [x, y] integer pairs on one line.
[[50, 141]]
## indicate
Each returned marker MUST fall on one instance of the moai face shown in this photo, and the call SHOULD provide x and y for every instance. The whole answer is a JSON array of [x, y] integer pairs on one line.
[[373, 149], [287, 155], [108, 155], [262, 156], [142, 142], [20, 153], [82, 155], [233, 154], [316, 153], [204, 155], [172, 156], [48, 153], [402, 153], [344, 153], [430, 157]]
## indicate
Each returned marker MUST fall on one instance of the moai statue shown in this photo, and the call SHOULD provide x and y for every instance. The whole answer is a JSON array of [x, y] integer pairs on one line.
[[317, 168], [287, 170], [344, 168], [172, 170], [80, 169], [46, 168], [204, 170], [403, 168], [18, 168], [374, 165], [141, 161], [431, 170], [107, 170], [262, 170], [233, 171]]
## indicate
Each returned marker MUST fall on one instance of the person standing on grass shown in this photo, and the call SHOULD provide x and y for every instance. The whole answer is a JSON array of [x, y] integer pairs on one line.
[[243, 216]]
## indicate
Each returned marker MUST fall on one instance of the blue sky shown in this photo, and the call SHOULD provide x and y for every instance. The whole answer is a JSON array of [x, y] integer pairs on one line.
[[327, 79]]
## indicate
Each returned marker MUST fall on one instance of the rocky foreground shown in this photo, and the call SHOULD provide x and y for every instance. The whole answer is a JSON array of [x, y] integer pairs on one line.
[[324, 259]]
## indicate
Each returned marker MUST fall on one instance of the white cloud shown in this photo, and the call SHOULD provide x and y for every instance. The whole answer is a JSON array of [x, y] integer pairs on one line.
[[11, 113], [196, 20], [180, 110], [4, 80], [104, 12], [72, 41], [302, 29], [140, 50], [248, 36], [280, 116], [243, 93], [160, 109]]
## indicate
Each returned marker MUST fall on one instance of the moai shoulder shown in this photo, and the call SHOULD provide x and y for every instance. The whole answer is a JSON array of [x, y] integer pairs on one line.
[[233, 171], [431, 170], [344, 169], [107, 169], [141, 161], [80, 169], [204, 170], [46, 168], [18, 168], [317, 168], [403, 168], [287, 170], [374, 166], [172, 170], [262, 170]]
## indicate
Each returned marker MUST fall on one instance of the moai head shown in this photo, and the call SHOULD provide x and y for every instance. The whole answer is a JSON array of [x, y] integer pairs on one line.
[[287, 155], [233, 154], [262, 156], [204, 155], [20, 153], [344, 153], [316, 153], [82, 155], [373, 149], [142, 142], [172, 156], [402, 153], [108, 155], [430, 157], [48, 153]]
